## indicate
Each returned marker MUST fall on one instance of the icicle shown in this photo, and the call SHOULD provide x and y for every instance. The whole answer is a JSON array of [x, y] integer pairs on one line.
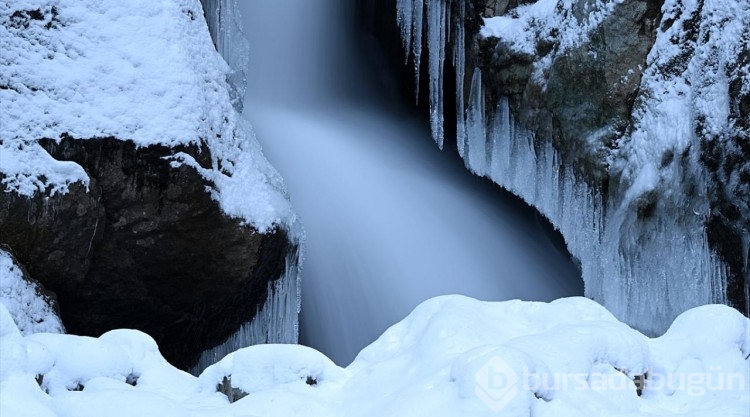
[[404, 18], [276, 322], [418, 18], [475, 127], [459, 63], [436, 32]]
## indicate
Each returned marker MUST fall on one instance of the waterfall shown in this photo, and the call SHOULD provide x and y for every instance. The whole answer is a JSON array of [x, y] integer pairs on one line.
[[390, 221]]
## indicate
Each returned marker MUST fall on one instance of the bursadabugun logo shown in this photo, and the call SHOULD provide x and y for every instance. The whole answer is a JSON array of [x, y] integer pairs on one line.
[[497, 384]]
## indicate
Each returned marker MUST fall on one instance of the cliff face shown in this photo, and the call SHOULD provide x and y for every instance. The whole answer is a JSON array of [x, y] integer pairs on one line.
[[624, 122], [130, 187]]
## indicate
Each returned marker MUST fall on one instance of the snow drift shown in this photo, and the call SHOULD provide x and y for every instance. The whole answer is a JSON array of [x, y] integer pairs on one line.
[[570, 357]]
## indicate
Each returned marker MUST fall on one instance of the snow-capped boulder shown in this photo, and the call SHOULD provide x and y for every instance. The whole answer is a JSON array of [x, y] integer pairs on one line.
[[129, 185]]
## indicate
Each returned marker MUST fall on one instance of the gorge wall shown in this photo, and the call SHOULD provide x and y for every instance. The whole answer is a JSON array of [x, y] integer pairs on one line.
[[625, 123]]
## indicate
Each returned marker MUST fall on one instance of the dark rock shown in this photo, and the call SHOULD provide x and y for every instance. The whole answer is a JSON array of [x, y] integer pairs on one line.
[[145, 247], [233, 394]]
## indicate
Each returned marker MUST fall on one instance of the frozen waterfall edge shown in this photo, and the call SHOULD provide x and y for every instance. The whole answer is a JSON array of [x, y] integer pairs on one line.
[[646, 272]]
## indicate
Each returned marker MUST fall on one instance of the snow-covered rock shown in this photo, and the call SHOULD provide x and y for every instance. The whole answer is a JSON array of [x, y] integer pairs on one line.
[[129, 185]]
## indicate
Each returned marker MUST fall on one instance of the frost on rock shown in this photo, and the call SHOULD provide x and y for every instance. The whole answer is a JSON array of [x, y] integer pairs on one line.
[[643, 239], [30, 308]]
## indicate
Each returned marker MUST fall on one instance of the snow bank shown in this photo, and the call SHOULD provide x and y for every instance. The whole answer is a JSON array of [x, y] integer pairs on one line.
[[452, 356], [135, 70], [28, 307]]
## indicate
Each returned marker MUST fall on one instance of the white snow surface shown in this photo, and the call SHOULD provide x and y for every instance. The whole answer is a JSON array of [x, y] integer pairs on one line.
[[434, 362], [29, 309], [138, 70]]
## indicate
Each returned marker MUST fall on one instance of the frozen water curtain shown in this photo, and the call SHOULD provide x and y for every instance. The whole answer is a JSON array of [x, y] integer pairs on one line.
[[645, 272]]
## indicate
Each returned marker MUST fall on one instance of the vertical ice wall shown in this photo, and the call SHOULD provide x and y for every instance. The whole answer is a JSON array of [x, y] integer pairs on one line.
[[645, 271], [277, 320], [225, 27]]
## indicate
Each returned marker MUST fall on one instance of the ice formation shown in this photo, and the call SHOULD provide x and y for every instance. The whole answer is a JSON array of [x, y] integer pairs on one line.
[[645, 272], [276, 321], [225, 26], [28, 307]]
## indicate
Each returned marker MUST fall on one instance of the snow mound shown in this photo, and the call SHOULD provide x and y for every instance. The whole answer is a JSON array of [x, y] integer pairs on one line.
[[266, 367], [134, 70], [452, 356], [22, 298]]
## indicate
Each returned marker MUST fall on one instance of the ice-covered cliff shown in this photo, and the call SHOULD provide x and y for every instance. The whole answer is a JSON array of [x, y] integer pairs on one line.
[[131, 187], [626, 123]]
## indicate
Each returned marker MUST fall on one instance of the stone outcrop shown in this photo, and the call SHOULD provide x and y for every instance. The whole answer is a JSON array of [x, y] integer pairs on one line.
[[587, 91]]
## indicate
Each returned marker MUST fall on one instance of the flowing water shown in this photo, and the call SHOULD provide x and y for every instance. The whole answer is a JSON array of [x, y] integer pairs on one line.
[[391, 221]]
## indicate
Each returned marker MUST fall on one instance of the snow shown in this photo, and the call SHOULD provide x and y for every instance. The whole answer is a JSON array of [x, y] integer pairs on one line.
[[86, 68], [28, 307], [569, 357], [552, 20]]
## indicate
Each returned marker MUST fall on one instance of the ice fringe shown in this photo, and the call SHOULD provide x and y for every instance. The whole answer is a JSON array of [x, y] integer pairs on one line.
[[225, 27], [275, 322], [646, 272], [277, 319]]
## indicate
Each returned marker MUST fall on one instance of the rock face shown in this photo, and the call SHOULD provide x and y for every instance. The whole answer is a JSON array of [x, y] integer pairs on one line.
[[586, 100], [623, 122], [587, 90], [146, 248]]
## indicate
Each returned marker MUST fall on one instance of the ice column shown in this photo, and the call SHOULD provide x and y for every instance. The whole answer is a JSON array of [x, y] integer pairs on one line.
[[410, 16]]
